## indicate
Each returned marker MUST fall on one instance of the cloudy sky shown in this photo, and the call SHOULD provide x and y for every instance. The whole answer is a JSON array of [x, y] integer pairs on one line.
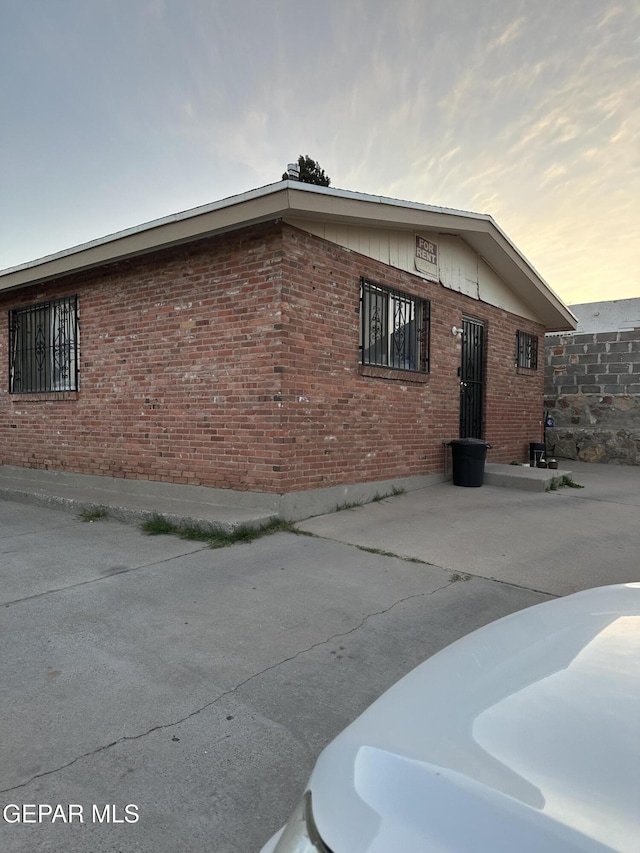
[[116, 112]]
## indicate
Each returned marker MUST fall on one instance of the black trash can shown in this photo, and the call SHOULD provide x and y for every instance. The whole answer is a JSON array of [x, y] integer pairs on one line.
[[469, 455]]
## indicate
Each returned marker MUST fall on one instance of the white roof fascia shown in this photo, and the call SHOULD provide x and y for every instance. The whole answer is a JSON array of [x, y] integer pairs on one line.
[[308, 201], [167, 231]]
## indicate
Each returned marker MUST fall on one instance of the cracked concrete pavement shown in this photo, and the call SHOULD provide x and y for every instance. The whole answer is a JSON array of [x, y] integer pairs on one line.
[[556, 542], [200, 685]]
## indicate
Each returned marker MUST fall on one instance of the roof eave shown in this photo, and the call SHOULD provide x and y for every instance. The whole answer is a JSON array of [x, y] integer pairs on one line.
[[198, 223], [304, 201]]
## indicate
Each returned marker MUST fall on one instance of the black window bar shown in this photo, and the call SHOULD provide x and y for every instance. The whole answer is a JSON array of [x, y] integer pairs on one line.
[[526, 350], [43, 347], [394, 328]]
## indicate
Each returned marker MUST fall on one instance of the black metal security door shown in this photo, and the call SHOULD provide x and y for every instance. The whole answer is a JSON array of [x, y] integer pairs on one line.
[[471, 379]]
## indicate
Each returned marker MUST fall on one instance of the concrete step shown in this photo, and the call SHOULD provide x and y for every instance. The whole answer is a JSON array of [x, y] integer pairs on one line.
[[522, 477]]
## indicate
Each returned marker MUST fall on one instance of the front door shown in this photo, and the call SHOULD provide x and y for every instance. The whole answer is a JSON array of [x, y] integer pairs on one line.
[[472, 379]]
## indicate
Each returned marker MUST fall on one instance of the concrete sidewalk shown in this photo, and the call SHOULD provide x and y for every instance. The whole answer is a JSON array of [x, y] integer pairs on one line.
[[134, 501], [556, 542]]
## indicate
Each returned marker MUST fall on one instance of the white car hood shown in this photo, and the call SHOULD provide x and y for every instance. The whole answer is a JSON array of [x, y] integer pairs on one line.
[[523, 736]]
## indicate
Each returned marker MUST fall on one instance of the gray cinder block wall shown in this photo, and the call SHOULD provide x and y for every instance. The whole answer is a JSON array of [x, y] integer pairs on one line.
[[592, 391]]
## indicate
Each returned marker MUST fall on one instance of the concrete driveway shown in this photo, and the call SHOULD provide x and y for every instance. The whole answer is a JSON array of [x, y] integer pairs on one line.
[[556, 542], [199, 685]]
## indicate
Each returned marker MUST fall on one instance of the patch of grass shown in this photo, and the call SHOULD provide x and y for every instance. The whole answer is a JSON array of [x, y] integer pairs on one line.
[[348, 505], [299, 532], [458, 577], [566, 480], [248, 534], [158, 525], [398, 490], [513, 462], [93, 513]]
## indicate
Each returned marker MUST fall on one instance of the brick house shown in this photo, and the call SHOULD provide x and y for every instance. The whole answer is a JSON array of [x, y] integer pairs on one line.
[[290, 339]]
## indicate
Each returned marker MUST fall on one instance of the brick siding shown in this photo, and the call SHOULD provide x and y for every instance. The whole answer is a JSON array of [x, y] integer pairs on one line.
[[234, 362]]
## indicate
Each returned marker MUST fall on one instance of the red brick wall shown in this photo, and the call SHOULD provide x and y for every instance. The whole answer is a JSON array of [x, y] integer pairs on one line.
[[234, 363], [176, 375], [345, 427]]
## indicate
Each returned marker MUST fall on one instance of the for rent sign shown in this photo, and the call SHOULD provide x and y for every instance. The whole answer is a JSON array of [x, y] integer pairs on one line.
[[427, 257]]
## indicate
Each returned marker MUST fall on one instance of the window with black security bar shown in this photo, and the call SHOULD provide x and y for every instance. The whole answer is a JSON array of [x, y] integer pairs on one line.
[[394, 328], [43, 347], [526, 350]]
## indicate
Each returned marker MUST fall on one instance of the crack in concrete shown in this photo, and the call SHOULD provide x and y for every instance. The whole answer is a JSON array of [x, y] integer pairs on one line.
[[589, 498], [38, 530], [514, 585], [368, 550], [123, 571], [191, 714], [452, 570]]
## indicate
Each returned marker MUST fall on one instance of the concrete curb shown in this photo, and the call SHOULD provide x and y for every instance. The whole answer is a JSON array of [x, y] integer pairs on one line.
[[181, 517]]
